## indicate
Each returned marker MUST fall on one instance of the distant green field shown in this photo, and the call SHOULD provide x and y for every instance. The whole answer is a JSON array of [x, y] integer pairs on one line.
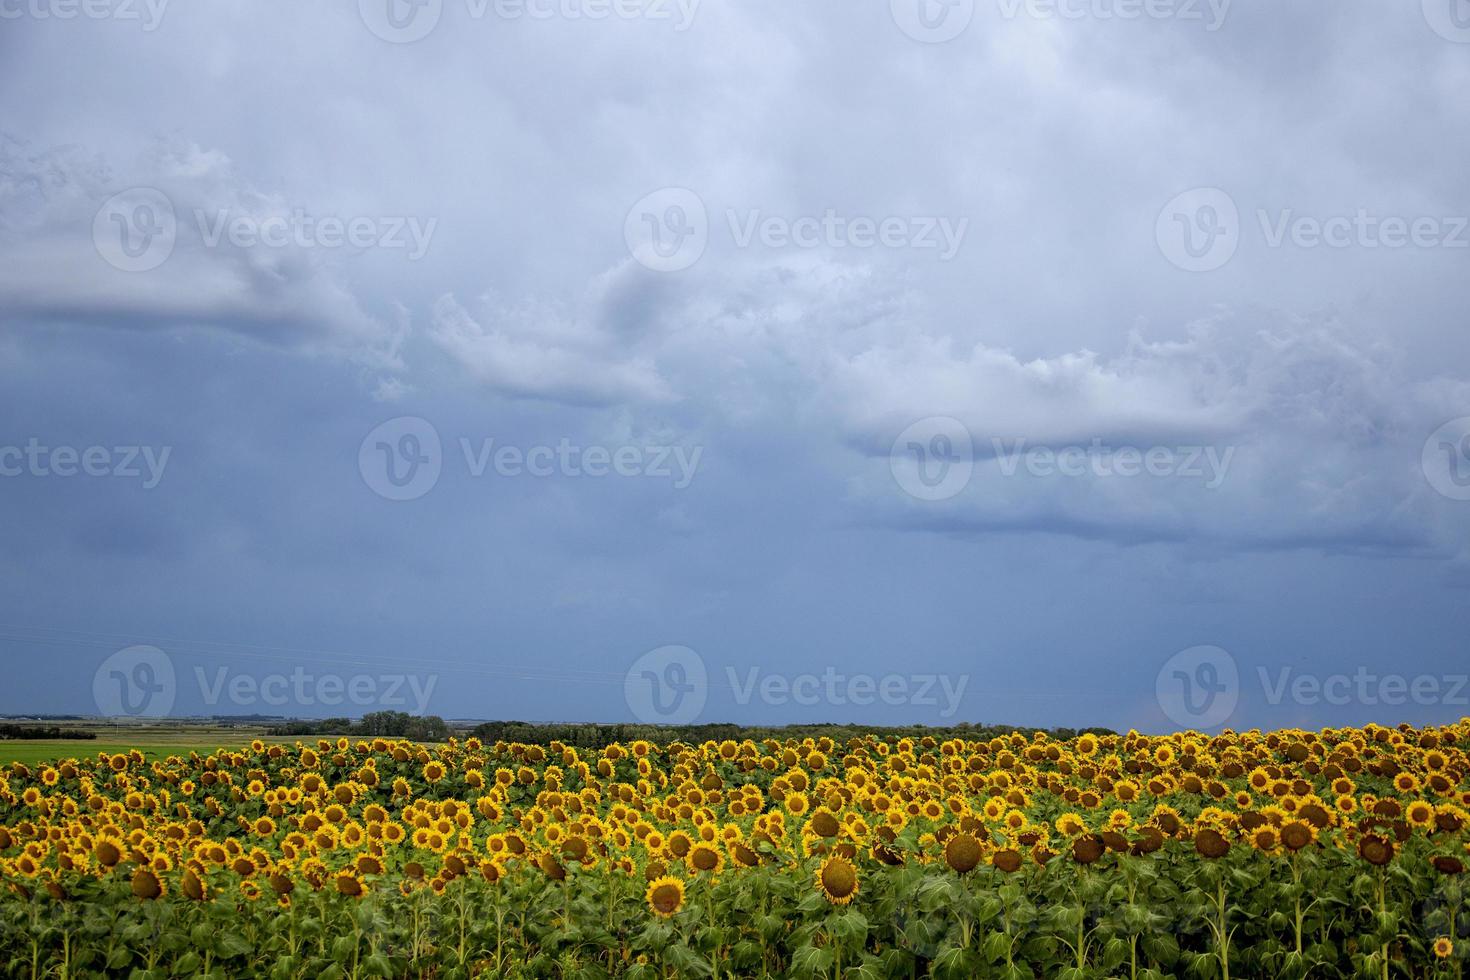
[[154, 741], [46, 751]]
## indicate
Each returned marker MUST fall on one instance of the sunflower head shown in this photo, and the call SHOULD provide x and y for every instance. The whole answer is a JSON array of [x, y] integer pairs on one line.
[[962, 852], [1086, 850], [1447, 865], [147, 885], [1296, 835], [1211, 844], [743, 855], [704, 857], [1375, 850], [193, 887], [837, 878], [551, 867], [1008, 861], [665, 896], [824, 823]]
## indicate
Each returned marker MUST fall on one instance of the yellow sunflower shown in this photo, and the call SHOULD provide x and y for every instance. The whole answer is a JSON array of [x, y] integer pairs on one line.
[[665, 896], [838, 880]]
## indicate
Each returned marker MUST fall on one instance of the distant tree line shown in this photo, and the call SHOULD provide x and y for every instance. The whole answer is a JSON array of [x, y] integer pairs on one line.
[[596, 736], [432, 728], [43, 731], [385, 724]]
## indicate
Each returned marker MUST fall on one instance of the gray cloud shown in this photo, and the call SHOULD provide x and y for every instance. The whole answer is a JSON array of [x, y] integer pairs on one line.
[[1060, 320], [53, 269]]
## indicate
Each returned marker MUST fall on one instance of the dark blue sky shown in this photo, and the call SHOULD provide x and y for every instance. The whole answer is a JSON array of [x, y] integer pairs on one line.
[[899, 376]]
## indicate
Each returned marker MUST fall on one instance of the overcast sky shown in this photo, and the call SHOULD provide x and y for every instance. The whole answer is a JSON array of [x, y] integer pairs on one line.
[[1057, 363]]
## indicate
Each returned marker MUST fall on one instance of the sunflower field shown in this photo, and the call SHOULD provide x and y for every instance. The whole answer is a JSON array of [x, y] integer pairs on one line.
[[1338, 853]]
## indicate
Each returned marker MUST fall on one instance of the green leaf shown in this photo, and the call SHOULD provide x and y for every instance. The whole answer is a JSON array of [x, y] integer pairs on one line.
[[811, 961], [366, 917], [377, 965], [343, 948], [228, 945], [851, 930], [687, 962], [953, 963]]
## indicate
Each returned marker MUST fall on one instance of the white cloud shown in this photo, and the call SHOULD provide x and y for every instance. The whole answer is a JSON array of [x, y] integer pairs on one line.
[[52, 268], [534, 351]]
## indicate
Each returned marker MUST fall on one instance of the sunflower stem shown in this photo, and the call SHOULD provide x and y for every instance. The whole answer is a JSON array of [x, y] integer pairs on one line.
[[1296, 880], [1222, 935], [1382, 911]]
